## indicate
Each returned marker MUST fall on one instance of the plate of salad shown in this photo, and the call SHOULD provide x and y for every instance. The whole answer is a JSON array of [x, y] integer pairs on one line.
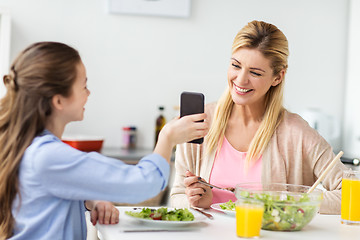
[[165, 216], [226, 207]]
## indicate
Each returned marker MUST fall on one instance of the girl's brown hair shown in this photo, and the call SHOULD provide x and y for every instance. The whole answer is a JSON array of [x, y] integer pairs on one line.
[[41, 71], [272, 43]]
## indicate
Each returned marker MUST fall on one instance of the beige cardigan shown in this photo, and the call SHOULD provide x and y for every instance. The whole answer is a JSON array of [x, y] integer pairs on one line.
[[296, 154]]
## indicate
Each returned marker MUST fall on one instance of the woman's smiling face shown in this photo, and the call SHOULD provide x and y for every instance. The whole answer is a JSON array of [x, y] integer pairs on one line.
[[250, 77]]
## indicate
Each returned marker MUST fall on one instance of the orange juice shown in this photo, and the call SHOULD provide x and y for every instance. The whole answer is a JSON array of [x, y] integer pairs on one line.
[[248, 219], [350, 201]]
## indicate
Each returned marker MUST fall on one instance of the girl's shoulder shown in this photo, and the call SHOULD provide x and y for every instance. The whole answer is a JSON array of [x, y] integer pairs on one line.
[[45, 146], [44, 138]]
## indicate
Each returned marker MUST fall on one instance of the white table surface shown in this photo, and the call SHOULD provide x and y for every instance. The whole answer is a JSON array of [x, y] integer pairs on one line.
[[222, 227]]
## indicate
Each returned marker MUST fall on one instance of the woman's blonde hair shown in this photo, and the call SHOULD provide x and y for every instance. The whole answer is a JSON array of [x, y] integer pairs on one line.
[[272, 43], [39, 72]]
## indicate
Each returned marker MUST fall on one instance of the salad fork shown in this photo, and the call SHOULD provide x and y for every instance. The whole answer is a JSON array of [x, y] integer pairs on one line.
[[230, 189], [208, 215]]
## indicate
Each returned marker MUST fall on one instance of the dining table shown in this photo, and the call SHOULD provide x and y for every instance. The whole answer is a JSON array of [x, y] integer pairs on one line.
[[222, 227]]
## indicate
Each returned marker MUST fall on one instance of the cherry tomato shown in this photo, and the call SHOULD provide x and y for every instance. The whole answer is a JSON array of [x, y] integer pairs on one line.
[[156, 216], [301, 210]]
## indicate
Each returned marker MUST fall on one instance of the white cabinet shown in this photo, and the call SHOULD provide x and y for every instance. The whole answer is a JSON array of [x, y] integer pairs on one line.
[[351, 127], [4, 45]]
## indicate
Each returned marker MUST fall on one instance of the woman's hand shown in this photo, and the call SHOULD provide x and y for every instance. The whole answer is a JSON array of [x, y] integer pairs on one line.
[[198, 194], [102, 211]]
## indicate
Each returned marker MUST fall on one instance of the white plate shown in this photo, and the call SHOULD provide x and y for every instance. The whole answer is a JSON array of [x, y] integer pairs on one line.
[[197, 218], [216, 206]]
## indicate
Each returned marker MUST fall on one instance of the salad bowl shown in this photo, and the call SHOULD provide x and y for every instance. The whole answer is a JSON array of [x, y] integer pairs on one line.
[[287, 207]]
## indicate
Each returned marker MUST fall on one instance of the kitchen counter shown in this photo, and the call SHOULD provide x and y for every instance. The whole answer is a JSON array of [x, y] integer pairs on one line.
[[223, 227], [130, 156]]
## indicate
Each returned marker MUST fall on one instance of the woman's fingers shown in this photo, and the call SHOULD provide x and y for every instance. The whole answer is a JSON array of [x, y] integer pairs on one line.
[[190, 191], [197, 193], [190, 181], [194, 200]]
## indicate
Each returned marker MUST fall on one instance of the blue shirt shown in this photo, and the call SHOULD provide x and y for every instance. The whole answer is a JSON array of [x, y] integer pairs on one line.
[[55, 179]]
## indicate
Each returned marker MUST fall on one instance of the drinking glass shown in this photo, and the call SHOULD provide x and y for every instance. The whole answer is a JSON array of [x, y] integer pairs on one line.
[[350, 198], [249, 214]]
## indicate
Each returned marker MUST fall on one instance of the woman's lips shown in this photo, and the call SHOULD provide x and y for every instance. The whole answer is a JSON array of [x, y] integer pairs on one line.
[[242, 91]]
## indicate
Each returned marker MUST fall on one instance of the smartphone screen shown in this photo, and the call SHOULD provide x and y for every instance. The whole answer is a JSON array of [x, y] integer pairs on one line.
[[192, 103]]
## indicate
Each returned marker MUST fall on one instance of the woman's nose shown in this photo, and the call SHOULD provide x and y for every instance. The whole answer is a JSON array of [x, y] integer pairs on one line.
[[242, 78]]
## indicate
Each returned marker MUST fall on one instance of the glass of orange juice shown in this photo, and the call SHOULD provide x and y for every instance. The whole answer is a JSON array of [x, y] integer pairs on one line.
[[350, 198], [249, 214]]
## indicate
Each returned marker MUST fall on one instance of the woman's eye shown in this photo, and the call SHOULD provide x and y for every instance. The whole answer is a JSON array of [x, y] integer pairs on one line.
[[235, 65], [256, 74]]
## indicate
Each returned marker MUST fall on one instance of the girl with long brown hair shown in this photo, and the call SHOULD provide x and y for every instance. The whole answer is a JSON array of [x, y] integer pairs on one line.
[[43, 181]]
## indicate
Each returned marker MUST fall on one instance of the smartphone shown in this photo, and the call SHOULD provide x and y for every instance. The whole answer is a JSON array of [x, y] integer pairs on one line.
[[192, 103]]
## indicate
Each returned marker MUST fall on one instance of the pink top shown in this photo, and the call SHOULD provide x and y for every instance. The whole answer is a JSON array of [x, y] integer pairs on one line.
[[229, 170]]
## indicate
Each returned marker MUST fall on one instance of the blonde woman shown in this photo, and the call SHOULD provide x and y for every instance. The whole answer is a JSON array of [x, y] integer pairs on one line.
[[252, 137]]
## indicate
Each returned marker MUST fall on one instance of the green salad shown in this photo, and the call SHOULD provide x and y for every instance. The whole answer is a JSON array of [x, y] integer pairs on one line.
[[230, 205], [285, 212], [163, 214]]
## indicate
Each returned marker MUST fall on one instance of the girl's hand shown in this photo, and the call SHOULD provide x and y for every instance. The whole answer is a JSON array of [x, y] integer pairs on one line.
[[180, 130], [198, 194], [185, 129], [103, 211]]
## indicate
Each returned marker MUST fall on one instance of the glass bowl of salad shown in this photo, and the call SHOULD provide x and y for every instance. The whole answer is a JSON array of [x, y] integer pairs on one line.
[[288, 207]]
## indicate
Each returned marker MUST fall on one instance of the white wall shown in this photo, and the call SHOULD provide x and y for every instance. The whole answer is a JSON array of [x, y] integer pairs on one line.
[[351, 137], [5, 33], [135, 63]]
